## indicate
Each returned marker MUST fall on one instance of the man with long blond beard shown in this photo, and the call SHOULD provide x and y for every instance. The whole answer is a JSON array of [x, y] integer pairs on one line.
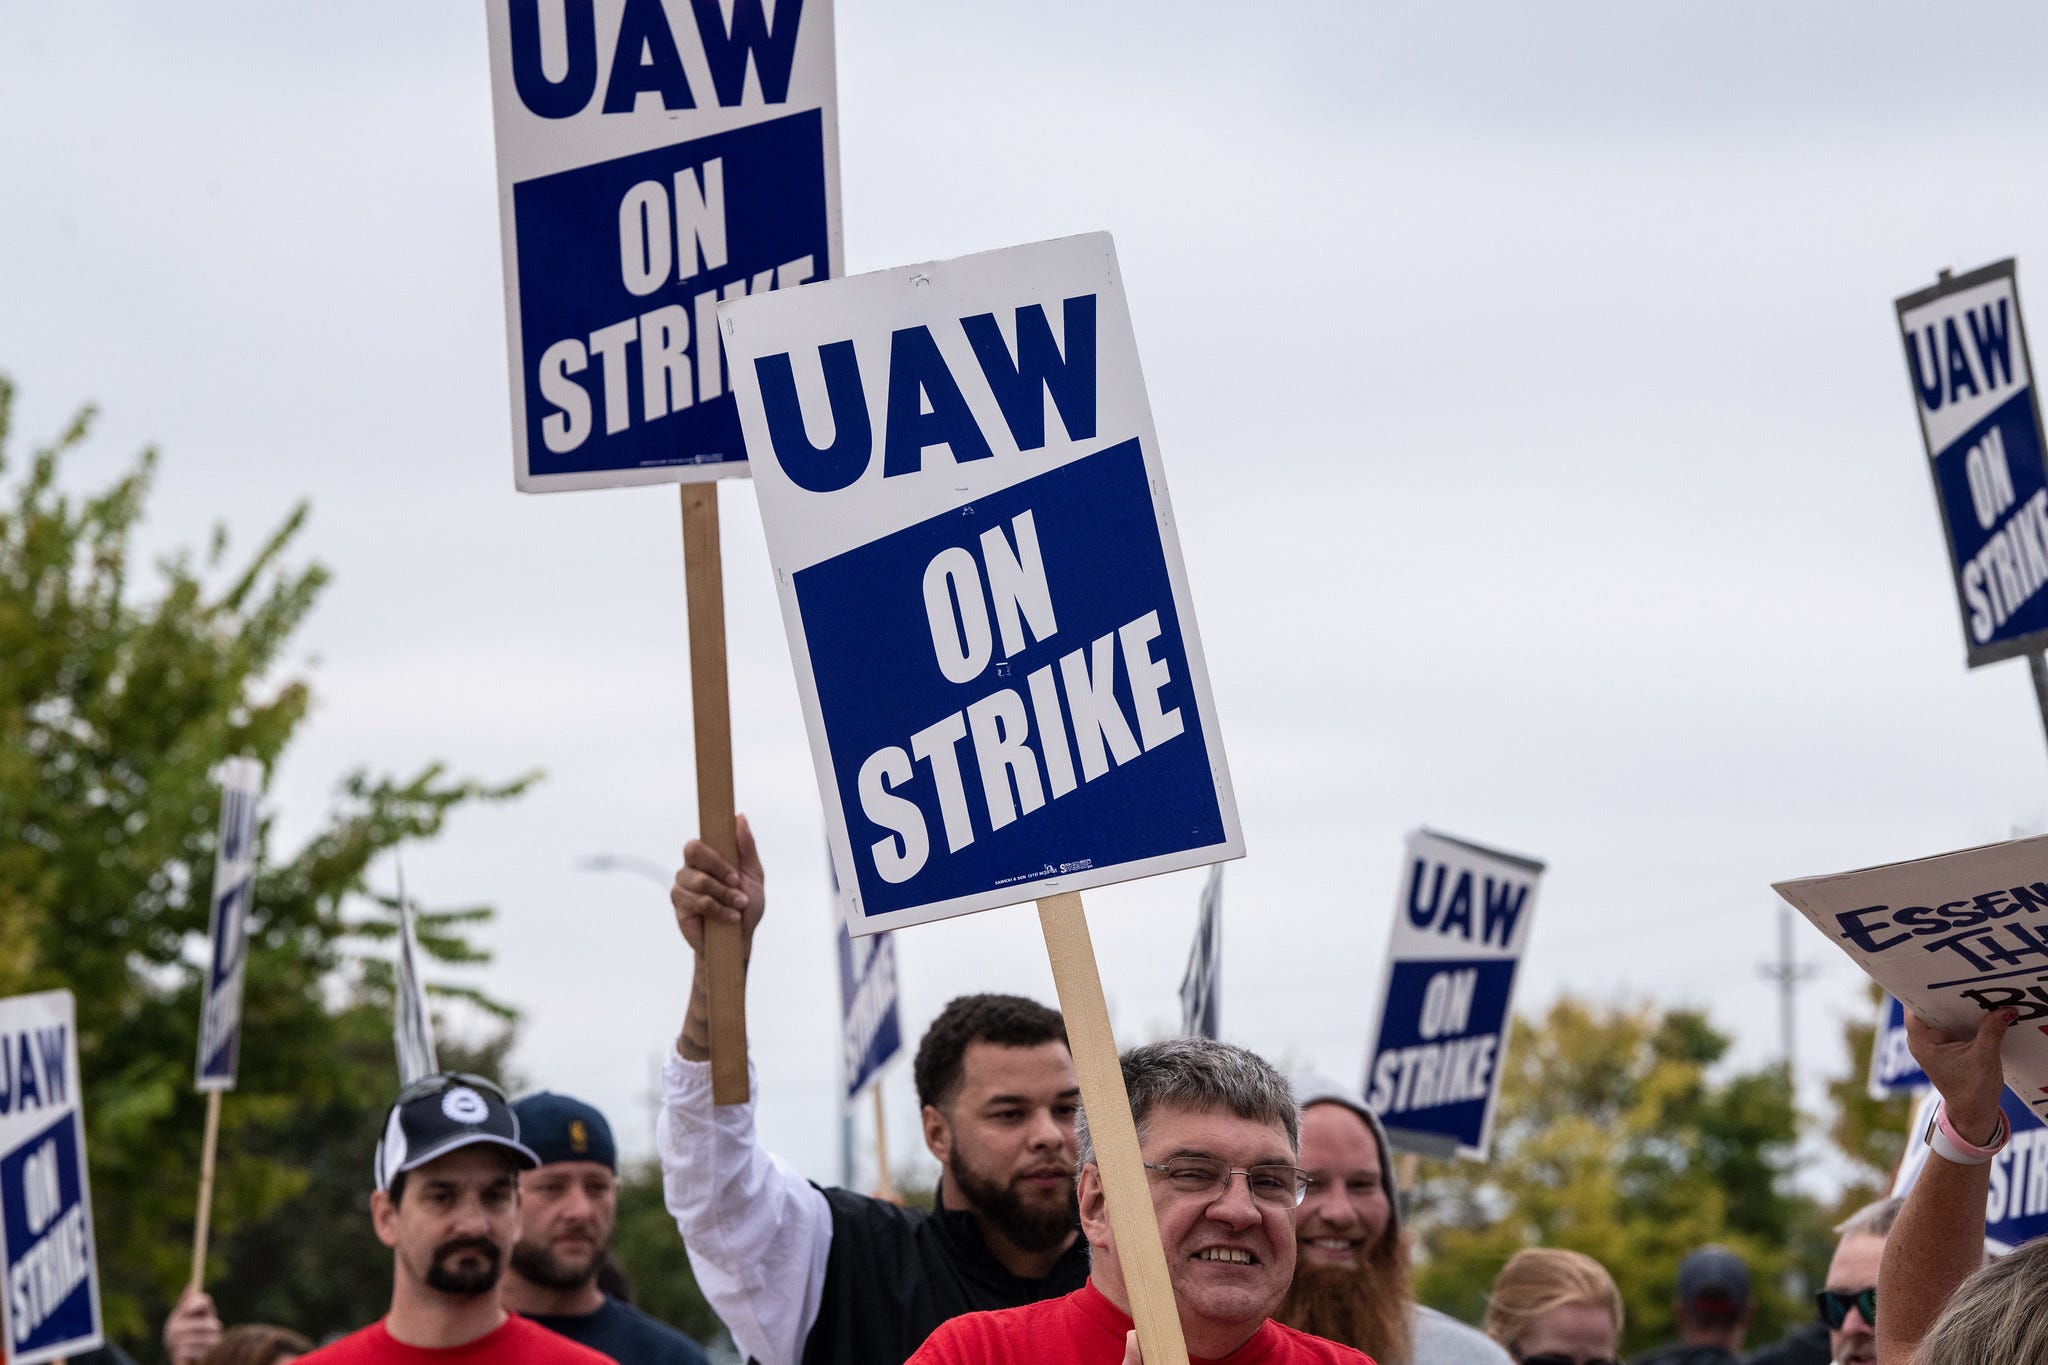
[[1351, 1281]]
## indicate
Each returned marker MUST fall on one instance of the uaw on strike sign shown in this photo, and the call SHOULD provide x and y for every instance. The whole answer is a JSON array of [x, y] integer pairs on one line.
[[1461, 921], [50, 1297], [984, 596], [1973, 385], [654, 158]]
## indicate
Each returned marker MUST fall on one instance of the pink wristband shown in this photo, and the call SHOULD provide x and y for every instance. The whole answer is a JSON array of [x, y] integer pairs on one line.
[[1951, 1144]]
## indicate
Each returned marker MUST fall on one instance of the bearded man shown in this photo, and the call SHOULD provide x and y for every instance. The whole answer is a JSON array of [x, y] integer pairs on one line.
[[810, 1276], [568, 1206], [1351, 1275], [447, 1204]]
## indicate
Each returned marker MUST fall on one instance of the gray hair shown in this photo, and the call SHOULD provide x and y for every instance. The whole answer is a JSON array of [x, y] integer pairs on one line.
[[1203, 1075], [1874, 1219], [1998, 1317]]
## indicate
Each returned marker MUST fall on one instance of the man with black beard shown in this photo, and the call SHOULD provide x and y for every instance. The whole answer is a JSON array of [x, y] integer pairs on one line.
[[1351, 1273], [447, 1204], [810, 1276], [567, 1207]]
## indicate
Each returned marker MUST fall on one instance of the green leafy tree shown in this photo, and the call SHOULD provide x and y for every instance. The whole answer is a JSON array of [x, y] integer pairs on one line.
[[116, 704], [1617, 1136]]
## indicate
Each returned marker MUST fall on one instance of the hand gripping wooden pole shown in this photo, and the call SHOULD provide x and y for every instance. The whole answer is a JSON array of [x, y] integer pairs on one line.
[[204, 1219], [725, 968], [1124, 1185]]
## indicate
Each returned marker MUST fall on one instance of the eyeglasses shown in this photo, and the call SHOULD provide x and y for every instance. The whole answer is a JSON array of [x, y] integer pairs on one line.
[[1560, 1358], [1835, 1305], [441, 1081], [1206, 1177]]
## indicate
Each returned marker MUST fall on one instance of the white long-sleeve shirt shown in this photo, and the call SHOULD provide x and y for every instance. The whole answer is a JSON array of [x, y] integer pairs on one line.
[[758, 1234]]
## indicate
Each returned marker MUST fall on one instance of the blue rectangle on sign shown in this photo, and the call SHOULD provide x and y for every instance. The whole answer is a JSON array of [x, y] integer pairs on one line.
[[1442, 1034], [620, 267], [1006, 693], [1994, 497], [49, 1242]]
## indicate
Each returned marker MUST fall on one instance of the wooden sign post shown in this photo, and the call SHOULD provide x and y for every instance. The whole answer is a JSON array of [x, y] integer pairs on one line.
[[203, 1221], [711, 708], [885, 1184], [1124, 1184]]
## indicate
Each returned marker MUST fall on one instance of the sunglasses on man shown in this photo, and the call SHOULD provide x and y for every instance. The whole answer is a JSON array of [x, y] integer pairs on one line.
[[1836, 1303]]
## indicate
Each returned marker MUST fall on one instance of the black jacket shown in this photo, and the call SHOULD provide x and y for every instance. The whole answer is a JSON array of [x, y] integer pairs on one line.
[[894, 1274]]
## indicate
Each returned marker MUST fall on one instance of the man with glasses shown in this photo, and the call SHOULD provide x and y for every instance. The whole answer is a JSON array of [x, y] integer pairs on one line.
[[447, 1204], [1351, 1278], [810, 1276], [1220, 1138], [1848, 1303], [567, 1208]]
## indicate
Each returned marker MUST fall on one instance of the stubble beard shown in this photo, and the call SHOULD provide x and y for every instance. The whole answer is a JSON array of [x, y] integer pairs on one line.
[[1368, 1306], [538, 1265], [1028, 1227]]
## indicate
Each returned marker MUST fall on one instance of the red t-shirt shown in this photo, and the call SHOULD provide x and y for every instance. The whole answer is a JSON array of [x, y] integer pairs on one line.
[[1084, 1328], [514, 1342]]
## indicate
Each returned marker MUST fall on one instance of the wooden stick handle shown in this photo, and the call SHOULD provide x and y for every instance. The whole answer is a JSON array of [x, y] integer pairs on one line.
[[724, 961], [886, 1186], [1124, 1184], [202, 1224]]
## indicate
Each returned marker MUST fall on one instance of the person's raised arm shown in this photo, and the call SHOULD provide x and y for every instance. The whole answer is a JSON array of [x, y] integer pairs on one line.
[[1938, 1240], [758, 1234]]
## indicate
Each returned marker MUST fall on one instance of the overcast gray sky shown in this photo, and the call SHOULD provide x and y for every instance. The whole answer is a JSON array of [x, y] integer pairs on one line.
[[1525, 376]]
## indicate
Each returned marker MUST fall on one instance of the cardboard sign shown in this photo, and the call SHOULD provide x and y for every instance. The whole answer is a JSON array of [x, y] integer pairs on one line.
[[1953, 937], [234, 878], [2016, 1205], [50, 1306], [985, 602], [1461, 921], [1973, 385], [1201, 999], [1892, 1068], [654, 157]]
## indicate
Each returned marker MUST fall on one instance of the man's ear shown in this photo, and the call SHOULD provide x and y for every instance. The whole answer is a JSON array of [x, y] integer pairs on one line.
[[384, 1217], [938, 1133], [1089, 1195]]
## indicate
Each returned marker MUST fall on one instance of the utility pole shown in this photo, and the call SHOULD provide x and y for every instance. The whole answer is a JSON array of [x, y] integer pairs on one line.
[[1787, 975]]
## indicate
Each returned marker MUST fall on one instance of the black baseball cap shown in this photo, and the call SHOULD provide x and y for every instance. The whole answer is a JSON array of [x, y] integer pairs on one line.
[[438, 1114], [559, 1128], [1711, 1277]]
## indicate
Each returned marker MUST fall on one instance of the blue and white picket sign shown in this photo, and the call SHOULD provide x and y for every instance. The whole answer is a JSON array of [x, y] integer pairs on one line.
[[1973, 386], [1461, 921], [234, 879], [870, 1031], [986, 607], [412, 1023], [1201, 1003], [1892, 1068], [654, 158], [2016, 1205], [50, 1306]]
